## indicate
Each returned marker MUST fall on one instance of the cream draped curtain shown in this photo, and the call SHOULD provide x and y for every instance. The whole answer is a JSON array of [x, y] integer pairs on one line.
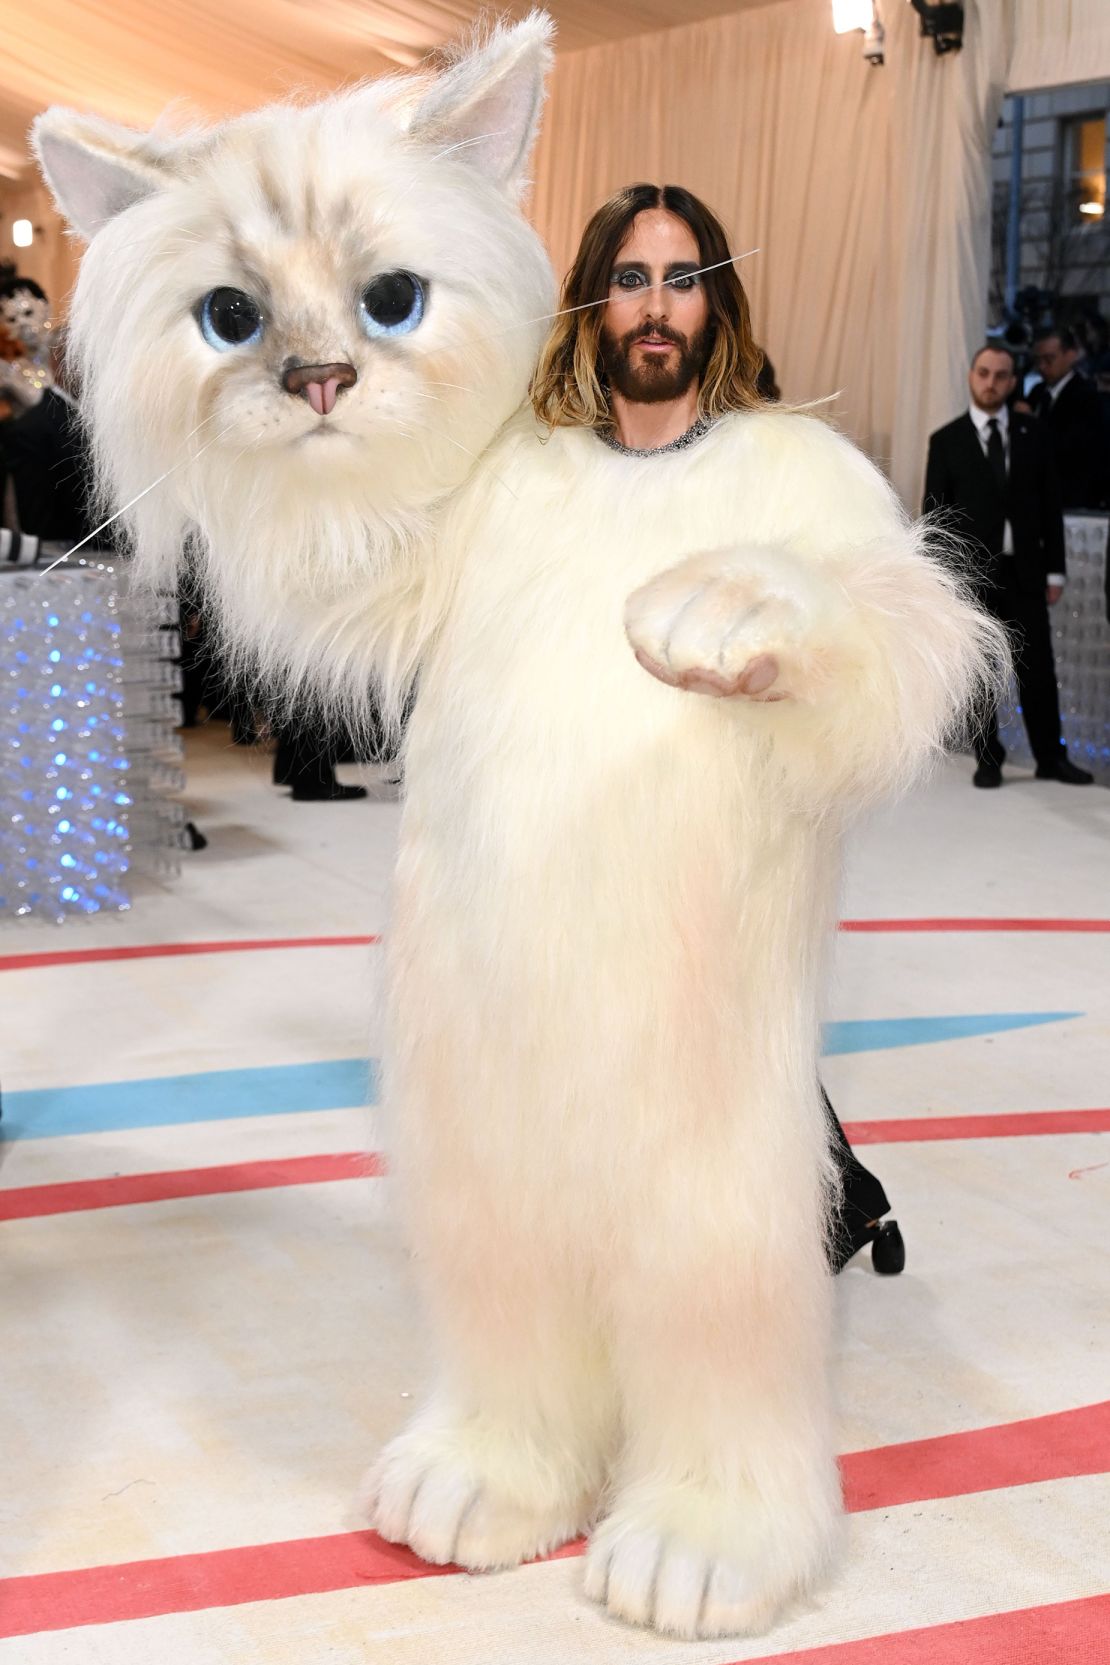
[[1059, 41], [864, 190]]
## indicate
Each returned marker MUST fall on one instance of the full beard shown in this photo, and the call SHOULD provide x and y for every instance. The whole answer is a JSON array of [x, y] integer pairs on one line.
[[654, 381]]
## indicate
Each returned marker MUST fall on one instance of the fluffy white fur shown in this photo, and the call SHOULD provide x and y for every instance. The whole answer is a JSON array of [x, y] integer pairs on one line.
[[614, 897]]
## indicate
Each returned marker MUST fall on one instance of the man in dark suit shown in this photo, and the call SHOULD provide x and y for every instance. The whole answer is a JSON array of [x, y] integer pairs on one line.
[[1068, 406], [992, 474]]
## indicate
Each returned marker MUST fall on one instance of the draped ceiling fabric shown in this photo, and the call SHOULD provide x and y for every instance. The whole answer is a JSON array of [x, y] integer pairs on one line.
[[865, 190], [128, 59]]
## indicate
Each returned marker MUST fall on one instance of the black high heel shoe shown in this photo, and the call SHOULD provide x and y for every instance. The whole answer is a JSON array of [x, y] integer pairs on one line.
[[888, 1249]]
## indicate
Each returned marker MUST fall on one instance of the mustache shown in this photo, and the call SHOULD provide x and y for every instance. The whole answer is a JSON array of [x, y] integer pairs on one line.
[[657, 332]]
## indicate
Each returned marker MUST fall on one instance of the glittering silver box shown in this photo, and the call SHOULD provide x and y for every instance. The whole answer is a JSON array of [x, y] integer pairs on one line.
[[89, 757]]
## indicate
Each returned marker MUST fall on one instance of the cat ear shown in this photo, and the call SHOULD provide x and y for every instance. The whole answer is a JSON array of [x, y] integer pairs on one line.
[[488, 103], [94, 168]]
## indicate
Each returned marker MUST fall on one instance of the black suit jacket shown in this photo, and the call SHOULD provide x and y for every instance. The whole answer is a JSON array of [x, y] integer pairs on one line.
[[959, 480], [45, 453], [1073, 422]]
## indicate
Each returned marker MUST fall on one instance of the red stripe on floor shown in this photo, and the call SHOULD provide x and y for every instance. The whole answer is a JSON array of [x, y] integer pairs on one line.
[[216, 1578], [1067, 1630], [159, 950], [118, 1190], [1020, 1453], [975, 924], [169, 950], [1054, 1447], [1019, 1125], [27, 1202]]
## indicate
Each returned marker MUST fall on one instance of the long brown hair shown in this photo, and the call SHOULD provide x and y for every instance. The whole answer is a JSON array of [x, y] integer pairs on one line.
[[569, 389]]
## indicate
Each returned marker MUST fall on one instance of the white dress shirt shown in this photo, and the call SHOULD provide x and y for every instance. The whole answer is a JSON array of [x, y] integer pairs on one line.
[[982, 419], [1055, 391]]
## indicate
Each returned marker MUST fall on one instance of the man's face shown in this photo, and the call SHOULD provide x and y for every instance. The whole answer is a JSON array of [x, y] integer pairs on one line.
[[655, 338], [991, 380], [1053, 360]]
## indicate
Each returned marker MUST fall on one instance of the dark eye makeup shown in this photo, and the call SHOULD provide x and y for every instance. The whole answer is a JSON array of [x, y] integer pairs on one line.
[[631, 277]]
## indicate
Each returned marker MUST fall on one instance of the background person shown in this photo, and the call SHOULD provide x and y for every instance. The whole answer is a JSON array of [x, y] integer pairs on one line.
[[1067, 404], [993, 473]]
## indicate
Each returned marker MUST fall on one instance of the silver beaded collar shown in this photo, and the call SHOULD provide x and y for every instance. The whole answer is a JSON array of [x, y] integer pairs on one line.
[[700, 428]]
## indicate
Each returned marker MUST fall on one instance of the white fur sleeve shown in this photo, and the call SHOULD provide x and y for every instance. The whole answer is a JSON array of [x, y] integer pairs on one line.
[[846, 640]]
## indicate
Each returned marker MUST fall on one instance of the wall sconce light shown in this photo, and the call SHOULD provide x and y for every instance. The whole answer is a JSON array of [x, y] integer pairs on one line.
[[942, 22], [22, 233], [852, 14]]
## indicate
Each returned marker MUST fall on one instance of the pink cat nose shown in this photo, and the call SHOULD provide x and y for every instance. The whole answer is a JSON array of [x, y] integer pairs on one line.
[[320, 383]]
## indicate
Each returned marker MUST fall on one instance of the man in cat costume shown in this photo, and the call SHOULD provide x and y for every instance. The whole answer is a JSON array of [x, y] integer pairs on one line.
[[651, 692], [633, 370]]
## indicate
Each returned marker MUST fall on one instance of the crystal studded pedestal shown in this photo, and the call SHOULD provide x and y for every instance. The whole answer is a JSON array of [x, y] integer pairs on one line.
[[1081, 644], [88, 754]]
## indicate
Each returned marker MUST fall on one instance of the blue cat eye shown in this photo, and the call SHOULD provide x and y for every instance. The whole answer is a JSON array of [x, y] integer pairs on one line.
[[392, 304], [229, 318]]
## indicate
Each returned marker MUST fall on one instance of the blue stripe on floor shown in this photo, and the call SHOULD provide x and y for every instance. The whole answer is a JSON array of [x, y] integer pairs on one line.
[[167, 1100], [337, 1084], [880, 1034]]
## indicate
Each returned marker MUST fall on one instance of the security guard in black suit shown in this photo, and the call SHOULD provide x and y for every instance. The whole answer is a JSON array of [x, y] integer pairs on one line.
[[992, 474]]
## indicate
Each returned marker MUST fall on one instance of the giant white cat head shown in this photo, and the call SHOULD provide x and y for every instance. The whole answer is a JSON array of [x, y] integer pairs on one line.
[[315, 317]]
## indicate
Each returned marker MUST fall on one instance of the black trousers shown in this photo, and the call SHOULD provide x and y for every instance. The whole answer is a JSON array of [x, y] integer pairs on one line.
[[862, 1196], [1025, 616]]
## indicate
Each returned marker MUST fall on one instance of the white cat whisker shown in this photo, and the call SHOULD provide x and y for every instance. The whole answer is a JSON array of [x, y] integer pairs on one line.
[[479, 138], [95, 533], [668, 283]]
